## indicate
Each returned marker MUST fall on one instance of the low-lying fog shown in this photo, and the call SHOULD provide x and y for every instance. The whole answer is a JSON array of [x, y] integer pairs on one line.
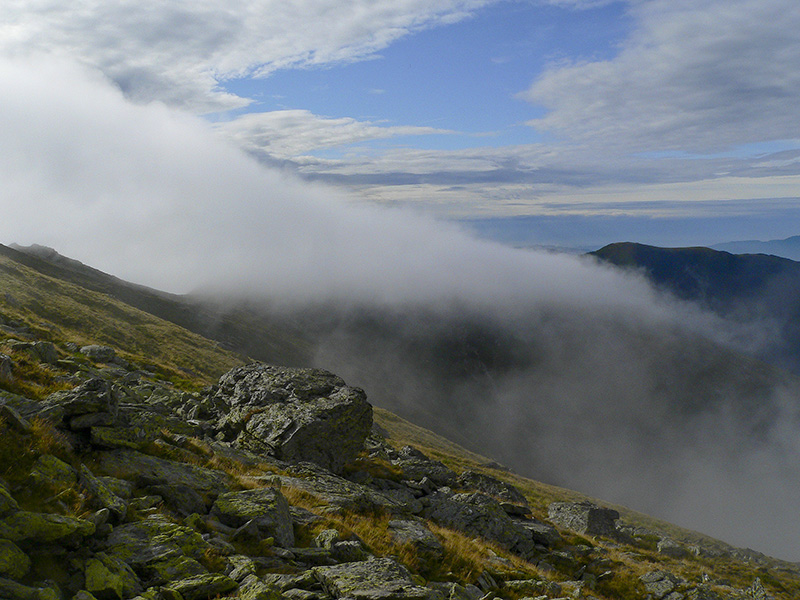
[[564, 370]]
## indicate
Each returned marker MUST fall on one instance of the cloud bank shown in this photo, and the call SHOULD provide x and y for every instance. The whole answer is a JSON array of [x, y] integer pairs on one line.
[[575, 351]]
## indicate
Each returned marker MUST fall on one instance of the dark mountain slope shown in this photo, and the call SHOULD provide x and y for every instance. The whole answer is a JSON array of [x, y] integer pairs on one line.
[[230, 325], [748, 287]]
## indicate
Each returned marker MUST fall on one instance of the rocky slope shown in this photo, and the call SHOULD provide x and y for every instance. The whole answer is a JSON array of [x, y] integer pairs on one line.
[[164, 468]]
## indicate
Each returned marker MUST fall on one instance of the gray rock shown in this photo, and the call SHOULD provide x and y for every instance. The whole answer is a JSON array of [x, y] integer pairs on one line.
[[266, 507], [492, 486], [239, 567], [584, 517], [479, 515], [339, 492], [102, 496], [11, 590], [252, 588], [203, 587], [294, 414], [416, 534], [535, 587], [14, 420], [542, 533], [416, 467], [129, 464], [379, 579], [43, 527], [659, 583], [51, 473], [670, 547], [282, 582], [97, 353], [158, 550], [14, 563], [7, 503], [456, 591], [46, 352], [108, 578], [6, 368], [93, 396]]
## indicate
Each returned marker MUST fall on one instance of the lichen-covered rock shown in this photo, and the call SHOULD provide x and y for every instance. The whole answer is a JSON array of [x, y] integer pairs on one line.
[[93, 396], [670, 547], [240, 567], [659, 583], [11, 590], [43, 527], [492, 486], [50, 472], [157, 550], [416, 534], [14, 563], [533, 587], [6, 368], [102, 496], [584, 517], [253, 588], [294, 414], [416, 466], [129, 464], [7, 503], [108, 578], [104, 354], [14, 420], [202, 587], [379, 579], [479, 515], [266, 507], [46, 352]]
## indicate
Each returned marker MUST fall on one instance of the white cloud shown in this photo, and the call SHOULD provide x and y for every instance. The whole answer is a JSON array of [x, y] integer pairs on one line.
[[700, 76], [178, 51], [291, 133]]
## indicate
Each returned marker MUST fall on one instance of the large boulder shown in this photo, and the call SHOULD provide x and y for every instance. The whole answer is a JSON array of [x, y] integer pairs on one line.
[[294, 414], [584, 518], [479, 515]]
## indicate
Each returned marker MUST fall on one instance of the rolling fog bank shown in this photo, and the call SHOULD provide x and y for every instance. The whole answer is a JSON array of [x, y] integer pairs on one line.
[[567, 371]]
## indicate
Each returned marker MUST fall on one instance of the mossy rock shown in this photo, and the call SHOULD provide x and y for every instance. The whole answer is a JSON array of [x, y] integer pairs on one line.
[[7, 503], [49, 472], [202, 587], [108, 578], [144, 543], [11, 590], [14, 563], [43, 527], [266, 506]]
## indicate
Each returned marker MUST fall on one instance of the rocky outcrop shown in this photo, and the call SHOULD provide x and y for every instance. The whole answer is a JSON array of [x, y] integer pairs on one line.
[[180, 508], [584, 517], [293, 414], [265, 509], [380, 579]]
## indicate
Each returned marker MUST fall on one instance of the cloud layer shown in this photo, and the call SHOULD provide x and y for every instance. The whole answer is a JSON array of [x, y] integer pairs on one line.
[[178, 52], [155, 196], [698, 77]]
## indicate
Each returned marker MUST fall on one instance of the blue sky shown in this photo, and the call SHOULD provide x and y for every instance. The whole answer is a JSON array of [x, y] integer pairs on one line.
[[475, 109]]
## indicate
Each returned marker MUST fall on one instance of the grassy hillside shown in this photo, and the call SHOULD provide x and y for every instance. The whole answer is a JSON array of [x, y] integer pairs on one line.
[[39, 307]]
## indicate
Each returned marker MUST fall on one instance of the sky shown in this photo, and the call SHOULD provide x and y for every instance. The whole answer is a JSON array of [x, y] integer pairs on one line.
[[553, 122]]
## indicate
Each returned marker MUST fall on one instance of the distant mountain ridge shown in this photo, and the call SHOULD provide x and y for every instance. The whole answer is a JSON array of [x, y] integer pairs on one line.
[[787, 248], [741, 286]]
